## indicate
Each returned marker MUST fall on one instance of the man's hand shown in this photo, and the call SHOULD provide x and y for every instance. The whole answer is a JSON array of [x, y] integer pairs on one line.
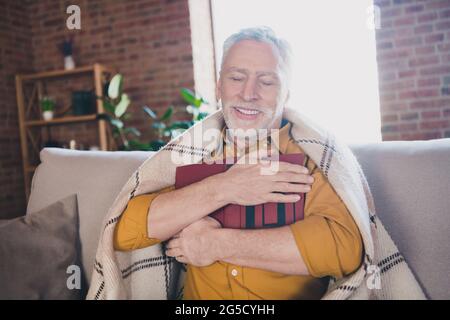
[[245, 184], [193, 244]]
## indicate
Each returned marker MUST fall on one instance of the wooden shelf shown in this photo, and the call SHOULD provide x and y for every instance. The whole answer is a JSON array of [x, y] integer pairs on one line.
[[28, 105], [62, 120], [63, 73]]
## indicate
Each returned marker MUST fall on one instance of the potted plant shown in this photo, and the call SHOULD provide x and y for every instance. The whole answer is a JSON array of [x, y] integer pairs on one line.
[[116, 104], [47, 108], [164, 127]]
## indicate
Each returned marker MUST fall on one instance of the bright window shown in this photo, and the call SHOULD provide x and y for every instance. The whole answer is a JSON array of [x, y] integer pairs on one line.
[[335, 79]]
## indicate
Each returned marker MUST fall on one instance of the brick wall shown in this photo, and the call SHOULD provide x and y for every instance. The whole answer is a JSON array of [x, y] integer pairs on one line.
[[15, 57], [148, 41], [413, 52]]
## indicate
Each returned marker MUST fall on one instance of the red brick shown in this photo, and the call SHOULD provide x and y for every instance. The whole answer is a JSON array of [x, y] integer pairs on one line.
[[444, 47], [407, 73], [421, 136], [422, 61], [434, 103], [437, 70], [396, 106], [426, 17], [425, 50], [384, 45], [409, 116], [390, 118], [404, 20], [393, 86], [433, 38], [427, 82], [408, 42], [407, 127], [444, 14], [414, 8], [387, 97], [430, 114], [440, 4], [440, 124], [390, 137], [443, 25], [425, 28], [421, 93]]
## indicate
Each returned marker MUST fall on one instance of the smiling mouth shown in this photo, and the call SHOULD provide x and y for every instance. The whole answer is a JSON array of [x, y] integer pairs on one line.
[[246, 111]]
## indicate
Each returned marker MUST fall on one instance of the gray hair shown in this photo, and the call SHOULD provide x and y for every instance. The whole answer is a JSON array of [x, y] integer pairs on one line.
[[266, 35]]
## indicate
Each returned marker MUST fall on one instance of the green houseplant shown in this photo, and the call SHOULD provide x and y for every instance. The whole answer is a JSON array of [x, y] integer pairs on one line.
[[163, 128], [47, 108]]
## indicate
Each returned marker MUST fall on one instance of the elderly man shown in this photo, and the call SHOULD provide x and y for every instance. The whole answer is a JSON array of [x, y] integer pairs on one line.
[[288, 262]]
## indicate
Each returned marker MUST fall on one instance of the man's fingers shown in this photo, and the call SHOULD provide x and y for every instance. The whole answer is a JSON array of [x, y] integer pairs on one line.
[[278, 166], [174, 243], [279, 197], [181, 259], [175, 252], [293, 177], [290, 187]]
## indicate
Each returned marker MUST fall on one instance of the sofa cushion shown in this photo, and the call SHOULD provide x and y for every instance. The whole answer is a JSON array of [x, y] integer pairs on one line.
[[410, 182], [95, 176], [37, 250]]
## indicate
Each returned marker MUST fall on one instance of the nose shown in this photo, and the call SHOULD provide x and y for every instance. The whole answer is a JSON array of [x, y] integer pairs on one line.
[[249, 90]]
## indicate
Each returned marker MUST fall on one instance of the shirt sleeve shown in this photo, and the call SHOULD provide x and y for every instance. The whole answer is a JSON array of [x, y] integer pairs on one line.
[[131, 231], [328, 238]]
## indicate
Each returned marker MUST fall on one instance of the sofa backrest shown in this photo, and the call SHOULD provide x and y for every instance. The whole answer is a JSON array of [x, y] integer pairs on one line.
[[410, 182], [95, 176]]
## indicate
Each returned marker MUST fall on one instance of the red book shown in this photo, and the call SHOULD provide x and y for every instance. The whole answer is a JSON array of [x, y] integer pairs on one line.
[[234, 216]]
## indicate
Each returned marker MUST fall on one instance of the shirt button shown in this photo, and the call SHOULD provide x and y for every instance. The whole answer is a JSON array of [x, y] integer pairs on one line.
[[234, 272]]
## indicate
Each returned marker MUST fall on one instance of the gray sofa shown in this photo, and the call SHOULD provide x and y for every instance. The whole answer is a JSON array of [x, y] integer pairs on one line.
[[410, 182]]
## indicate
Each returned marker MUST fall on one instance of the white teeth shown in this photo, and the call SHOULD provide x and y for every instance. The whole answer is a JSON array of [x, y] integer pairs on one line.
[[246, 111]]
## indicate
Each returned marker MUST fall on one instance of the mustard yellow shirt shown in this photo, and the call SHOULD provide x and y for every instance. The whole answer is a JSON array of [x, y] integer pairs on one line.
[[327, 238]]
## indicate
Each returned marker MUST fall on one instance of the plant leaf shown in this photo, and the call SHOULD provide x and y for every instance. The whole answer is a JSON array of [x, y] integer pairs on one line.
[[167, 114], [122, 105], [155, 145], [158, 125], [137, 145], [127, 116], [150, 112], [133, 131], [117, 123], [190, 97], [109, 106], [202, 115], [180, 125], [115, 86]]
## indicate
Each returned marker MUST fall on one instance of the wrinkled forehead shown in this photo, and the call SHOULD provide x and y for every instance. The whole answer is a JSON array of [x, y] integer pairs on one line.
[[252, 55]]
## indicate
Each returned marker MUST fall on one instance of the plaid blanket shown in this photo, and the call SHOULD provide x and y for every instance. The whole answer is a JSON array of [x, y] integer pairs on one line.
[[149, 274]]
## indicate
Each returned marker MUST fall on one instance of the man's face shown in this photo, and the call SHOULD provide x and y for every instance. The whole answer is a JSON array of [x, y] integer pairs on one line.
[[250, 87]]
